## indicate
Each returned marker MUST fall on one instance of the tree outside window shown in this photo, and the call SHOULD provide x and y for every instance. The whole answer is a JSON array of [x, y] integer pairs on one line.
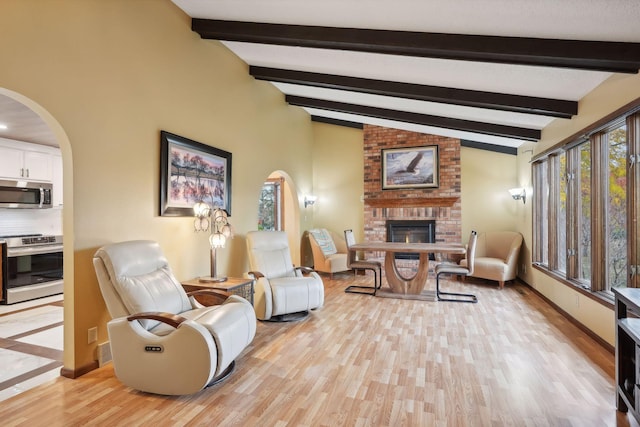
[[586, 202], [270, 206]]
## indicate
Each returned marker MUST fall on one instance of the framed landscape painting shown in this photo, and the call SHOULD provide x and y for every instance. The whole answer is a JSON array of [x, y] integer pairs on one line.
[[415, 167], [191, 172]]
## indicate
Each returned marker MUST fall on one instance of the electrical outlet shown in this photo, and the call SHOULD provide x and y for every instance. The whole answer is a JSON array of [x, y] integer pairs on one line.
[[92, 335]]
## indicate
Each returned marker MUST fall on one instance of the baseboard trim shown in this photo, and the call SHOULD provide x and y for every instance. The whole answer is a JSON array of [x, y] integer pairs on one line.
[[610, 348], [75, 373]]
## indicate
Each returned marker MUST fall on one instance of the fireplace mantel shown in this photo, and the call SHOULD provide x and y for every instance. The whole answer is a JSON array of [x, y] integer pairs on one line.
[[411, 202]]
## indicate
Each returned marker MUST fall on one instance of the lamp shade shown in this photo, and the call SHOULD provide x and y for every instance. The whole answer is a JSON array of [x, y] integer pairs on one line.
[[201, 209], [217, 240]]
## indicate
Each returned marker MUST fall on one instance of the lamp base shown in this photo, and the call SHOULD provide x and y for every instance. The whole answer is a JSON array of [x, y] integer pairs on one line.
[[212, 279]]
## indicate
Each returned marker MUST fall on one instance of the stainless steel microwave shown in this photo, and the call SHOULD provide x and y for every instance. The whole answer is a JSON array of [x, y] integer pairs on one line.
[[25, 194]]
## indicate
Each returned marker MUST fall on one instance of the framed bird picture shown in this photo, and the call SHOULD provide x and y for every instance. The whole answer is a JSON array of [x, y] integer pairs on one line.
[[412, 167]]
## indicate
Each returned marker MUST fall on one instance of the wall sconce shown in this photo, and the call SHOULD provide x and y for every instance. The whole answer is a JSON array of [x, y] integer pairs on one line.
[[518, 193], [309, 201], [218, 221]]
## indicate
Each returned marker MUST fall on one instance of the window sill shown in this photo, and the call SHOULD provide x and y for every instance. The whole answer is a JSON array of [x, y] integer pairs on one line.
[[603, 297]]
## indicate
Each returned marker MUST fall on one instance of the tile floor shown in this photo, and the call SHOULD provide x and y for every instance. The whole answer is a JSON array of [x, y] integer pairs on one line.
[[31, 342]]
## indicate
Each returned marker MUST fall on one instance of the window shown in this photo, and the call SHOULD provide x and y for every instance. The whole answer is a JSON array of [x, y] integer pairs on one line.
[[584, 197], [561, 215], [541, 212], [584, 214], [616, 219], [270, 205]]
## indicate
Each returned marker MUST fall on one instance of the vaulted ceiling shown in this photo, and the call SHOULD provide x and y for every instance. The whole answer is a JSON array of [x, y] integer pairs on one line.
[[494, 72]]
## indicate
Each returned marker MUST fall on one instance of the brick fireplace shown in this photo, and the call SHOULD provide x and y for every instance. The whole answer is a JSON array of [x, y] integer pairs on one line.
[[411, 231], [440, 204]]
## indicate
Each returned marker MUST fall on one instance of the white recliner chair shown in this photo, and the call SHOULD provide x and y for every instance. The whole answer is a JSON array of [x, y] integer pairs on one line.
[[162, 340], [282, 292]]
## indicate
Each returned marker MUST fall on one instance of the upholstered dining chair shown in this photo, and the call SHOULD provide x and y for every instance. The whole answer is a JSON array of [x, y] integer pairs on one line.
[[455, 269], [283, 292], [162, 340], [355, 264]]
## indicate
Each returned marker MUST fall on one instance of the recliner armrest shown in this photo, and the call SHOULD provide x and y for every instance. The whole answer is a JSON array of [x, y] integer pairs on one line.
[[256, 274], [173, 320], [304, 270]]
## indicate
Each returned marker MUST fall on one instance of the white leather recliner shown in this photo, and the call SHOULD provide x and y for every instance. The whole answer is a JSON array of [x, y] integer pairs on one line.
[[282, 292], [162, 340]]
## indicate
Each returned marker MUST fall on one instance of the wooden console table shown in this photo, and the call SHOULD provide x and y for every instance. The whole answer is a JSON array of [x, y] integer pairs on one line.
[[398, 283]]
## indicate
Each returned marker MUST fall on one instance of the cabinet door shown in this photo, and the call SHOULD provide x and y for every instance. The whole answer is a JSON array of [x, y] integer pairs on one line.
[[57, 181], [37, 165], [11, 162]]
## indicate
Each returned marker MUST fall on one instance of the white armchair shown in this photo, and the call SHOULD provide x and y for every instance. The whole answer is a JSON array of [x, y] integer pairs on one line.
[[162, 340], [282, 292]]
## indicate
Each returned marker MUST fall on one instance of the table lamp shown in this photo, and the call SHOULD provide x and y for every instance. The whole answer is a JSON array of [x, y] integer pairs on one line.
[[218, 221]]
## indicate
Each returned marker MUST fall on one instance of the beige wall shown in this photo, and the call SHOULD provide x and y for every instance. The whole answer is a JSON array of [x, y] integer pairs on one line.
[[338, 170], [613, 94], [112, 74], [486, 178]]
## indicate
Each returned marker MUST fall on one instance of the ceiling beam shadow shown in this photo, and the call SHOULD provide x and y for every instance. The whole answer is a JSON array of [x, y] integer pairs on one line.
[[621, 57], [526, 134], [469, 98]]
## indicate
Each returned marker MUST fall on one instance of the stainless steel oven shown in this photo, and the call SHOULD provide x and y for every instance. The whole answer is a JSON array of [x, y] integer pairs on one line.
[[31, 267]]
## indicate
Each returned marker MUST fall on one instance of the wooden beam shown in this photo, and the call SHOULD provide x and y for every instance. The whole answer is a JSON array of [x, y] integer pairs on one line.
[[337, 122], [621, 57], [489, 147], [417, 118], [470, 98]]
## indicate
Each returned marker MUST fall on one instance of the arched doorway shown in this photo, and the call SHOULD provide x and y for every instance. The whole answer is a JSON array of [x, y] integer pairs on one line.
[[279, 209], [40, 127]]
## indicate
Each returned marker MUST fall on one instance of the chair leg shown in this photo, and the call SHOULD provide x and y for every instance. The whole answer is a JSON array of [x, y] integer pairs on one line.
[[353, 289], [461, 297]]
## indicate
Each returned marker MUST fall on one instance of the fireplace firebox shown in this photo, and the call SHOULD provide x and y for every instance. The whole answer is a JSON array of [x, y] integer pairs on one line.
[[411, 231]]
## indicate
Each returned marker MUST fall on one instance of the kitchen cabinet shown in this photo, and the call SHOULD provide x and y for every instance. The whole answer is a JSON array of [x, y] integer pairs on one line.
[[56, 193], [21, 160]]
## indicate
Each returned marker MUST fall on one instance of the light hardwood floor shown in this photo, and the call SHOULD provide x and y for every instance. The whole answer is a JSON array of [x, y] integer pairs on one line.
[[509, 360]]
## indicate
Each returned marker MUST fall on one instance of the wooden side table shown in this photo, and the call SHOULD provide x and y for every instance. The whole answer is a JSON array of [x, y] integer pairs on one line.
[[235, 285]]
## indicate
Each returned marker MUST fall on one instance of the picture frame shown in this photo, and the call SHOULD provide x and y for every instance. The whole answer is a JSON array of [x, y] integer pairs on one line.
[[411, 167], [191, 172]]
